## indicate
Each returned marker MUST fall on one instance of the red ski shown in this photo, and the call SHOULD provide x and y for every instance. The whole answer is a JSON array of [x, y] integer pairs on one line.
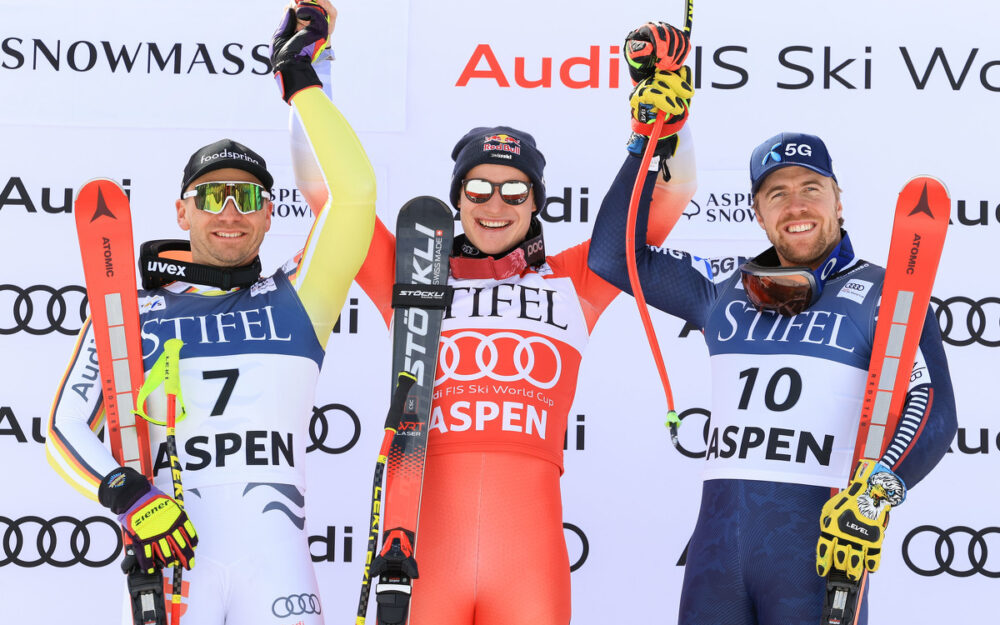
[[918, 232], [104, 228]]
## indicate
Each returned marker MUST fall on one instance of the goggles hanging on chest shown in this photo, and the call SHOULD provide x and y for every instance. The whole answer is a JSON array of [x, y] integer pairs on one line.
[[168, 260], [790, 290]]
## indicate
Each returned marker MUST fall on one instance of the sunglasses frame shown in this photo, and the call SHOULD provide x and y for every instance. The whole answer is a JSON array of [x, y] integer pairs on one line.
[[193, 193], [494, 187]]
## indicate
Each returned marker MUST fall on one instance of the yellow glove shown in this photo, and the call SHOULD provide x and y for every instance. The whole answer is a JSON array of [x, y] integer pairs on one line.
[[853, 521], [665, 91]]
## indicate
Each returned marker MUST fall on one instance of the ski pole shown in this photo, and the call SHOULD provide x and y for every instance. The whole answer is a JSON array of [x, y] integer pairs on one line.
[[172, 386], [633, 273], [403, 384]]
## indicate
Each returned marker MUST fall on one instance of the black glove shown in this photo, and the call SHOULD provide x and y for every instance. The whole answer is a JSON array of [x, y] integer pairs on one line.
[[655, 46], [292, 53]]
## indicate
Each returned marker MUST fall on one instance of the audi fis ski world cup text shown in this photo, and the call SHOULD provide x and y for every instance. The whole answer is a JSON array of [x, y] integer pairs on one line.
[[729, 67]]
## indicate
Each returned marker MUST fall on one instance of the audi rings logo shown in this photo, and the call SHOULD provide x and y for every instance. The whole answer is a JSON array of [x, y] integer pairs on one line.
[[63, 541], [569, 528], [320, 429], [965, 321], [296, 604], [42, 309], [531, 358], [959, 551]]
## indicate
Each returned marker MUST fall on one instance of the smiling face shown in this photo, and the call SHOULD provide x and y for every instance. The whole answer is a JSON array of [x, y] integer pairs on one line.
[[229, 239], [495, 226], [800, 211]]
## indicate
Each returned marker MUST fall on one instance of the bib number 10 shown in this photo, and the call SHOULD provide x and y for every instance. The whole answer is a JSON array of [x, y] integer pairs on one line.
[[785, 382]]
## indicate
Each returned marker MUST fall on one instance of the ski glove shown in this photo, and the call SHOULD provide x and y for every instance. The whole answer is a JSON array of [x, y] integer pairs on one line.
[[293, 53], [852, 523], [655, 46], [666, 91], [157, 525]]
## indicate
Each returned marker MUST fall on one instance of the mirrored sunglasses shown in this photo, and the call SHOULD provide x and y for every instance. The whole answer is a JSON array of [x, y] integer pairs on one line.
[[211, 197], [479, 191]]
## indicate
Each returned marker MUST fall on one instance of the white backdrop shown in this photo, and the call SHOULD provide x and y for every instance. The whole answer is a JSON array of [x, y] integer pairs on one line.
[[129, 90]]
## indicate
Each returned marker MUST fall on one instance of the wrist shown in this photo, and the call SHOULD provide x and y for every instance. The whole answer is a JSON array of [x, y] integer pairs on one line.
[[121, 488], [294, 77], [890, 482]]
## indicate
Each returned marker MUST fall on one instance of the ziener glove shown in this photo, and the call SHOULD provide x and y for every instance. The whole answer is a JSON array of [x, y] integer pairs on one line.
[[655, 46], [666, 91], [853, 521], [292, 53], [157, 525]]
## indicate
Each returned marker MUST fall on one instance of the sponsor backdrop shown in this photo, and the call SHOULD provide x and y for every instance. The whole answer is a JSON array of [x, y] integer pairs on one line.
[[129, 91]]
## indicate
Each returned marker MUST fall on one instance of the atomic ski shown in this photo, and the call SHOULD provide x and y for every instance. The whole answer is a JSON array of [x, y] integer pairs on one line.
[[104, 228], [918, 233], [424, 232]]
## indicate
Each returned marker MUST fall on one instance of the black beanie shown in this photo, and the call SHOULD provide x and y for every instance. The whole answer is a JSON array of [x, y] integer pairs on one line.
[[501, 145]]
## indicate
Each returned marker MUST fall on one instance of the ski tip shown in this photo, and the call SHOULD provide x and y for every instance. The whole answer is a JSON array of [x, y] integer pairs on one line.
[[427, 201], [102, 183], [928, 180], [924, 195], [106, 187]]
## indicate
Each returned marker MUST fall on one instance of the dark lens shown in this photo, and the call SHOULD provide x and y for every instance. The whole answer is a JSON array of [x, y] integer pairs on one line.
[[478, 190], [514, 191]]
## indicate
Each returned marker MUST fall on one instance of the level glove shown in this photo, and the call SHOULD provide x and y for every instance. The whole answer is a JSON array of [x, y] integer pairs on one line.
[[293, 53], [852, 523], [655, 46], [665, 91], [159, 528]]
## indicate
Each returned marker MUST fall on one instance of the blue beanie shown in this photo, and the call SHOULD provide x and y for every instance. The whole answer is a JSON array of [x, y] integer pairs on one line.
[[501, 145]]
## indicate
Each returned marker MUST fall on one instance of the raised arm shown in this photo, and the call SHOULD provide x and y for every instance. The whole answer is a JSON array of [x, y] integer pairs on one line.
[[342, 232], [673, 281]]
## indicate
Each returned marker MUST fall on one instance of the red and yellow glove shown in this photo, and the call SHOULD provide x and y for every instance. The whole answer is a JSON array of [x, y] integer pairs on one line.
[[852, 523], [655, 46], [160, 530]]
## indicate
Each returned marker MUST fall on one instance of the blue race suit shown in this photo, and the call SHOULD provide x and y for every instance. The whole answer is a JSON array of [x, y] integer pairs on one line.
[[786, 397]]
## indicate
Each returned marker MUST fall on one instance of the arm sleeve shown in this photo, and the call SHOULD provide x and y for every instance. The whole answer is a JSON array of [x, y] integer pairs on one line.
[[72, 446], [376, 274], [928, 423], [670, 198], [673, 281], [342, 231]]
